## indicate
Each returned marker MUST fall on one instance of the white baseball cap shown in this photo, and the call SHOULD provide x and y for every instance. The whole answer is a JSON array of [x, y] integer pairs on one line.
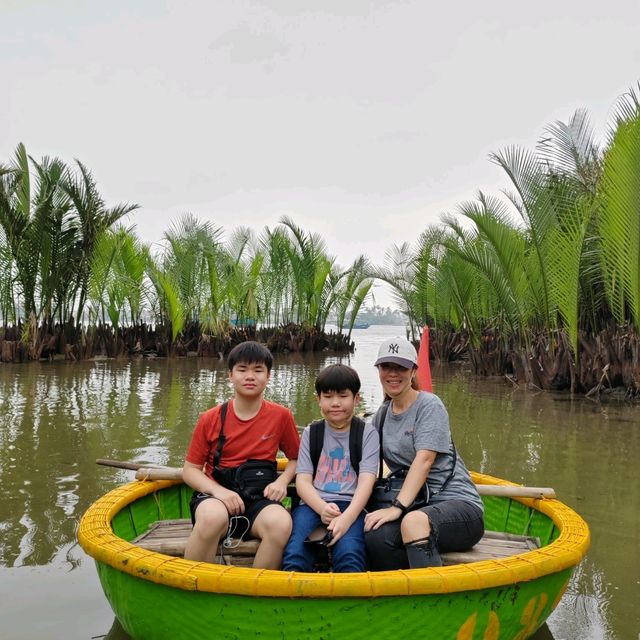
[[398, 351]]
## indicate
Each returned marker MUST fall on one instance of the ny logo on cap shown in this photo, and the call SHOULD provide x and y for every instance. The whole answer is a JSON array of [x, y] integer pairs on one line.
[[393, 348]]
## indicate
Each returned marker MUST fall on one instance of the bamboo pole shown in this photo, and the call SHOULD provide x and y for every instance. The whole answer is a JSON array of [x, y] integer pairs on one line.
[[510, 491], [132, 466], [159, 472], [156, 473]]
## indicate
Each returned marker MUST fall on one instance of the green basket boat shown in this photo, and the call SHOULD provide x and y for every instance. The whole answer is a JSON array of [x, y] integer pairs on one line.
[[156, 596]]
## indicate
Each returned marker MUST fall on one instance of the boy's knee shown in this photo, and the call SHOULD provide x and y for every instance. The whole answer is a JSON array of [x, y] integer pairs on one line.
[[211, 519], [273, 522]]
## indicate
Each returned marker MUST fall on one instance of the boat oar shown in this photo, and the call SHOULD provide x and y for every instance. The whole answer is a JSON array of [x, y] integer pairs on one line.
[[157, 473], [150, 471], [133, 466], [511, 491]]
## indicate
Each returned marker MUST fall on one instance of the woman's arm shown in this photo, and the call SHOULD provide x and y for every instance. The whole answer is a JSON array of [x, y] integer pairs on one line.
[[415, 479], [416, 476]]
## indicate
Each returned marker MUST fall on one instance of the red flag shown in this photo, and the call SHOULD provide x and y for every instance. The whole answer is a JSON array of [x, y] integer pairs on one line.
[[424, 369]]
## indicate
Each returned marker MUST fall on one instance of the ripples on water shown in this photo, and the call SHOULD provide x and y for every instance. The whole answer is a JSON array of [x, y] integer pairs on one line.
[[57, 418]]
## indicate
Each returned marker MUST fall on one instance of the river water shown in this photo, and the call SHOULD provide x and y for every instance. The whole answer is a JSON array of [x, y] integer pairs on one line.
[[57, 418]]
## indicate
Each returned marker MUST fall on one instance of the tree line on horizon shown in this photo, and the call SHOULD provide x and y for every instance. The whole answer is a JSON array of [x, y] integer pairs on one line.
[[524, 280]]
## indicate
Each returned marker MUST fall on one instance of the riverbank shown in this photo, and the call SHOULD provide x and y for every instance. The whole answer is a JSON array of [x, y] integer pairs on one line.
[[608, 362], [72, 343]]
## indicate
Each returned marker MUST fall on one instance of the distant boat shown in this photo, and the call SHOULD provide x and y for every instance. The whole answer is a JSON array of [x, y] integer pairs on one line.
[[243, 322], [361, 325]]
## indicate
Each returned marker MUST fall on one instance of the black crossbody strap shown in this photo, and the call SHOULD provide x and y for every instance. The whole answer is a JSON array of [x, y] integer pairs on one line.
[[221, 437], [387, 406], [451, 473]]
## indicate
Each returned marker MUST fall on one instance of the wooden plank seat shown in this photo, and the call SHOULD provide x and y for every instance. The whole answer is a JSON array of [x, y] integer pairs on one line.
[[170, 537]]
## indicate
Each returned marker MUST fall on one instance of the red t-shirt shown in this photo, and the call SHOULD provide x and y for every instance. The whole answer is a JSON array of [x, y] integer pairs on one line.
[[259, 438]]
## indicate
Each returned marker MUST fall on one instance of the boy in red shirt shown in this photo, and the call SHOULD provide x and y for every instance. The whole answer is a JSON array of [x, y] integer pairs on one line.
[[254, 429]]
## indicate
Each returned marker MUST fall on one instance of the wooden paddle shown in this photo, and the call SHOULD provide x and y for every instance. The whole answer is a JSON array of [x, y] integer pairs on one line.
[[133, 466], [151, 471]]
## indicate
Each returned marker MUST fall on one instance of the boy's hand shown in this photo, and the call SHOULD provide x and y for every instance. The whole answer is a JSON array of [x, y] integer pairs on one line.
[[277, 490], [231, 500], [330, 511], [339, 526]]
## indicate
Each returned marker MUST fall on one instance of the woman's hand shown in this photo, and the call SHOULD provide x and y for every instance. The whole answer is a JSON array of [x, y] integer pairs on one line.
[[376, 519]]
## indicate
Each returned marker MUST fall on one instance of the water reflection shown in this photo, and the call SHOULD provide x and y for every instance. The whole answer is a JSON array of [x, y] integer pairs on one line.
[[57, 418]]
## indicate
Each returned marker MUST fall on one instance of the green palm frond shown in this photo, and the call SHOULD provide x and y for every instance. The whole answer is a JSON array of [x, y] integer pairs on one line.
[[619, 222], [564, 259]]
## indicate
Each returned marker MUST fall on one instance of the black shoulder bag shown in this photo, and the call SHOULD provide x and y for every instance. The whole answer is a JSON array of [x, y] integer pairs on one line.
[[250, 479], [386, 489]]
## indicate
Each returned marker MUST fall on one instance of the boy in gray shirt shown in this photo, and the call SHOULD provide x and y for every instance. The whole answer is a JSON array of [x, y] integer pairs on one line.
[[335, 486]]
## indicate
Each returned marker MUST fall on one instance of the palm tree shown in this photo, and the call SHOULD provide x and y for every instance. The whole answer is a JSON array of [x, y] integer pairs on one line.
[[93, 217], [277, 277], [619, 219]]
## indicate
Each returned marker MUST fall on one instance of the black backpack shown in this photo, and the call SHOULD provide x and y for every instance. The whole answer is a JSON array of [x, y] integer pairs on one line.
[[316, 439]]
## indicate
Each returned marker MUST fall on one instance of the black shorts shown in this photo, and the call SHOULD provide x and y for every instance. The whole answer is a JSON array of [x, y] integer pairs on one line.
[[239, 526]]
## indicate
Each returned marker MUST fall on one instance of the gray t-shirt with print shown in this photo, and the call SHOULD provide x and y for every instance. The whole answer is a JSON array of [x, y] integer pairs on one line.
[[425, 425], [335, 479]]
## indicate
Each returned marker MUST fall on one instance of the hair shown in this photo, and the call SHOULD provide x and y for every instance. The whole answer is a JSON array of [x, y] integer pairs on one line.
[[337, 377], [250, 352]]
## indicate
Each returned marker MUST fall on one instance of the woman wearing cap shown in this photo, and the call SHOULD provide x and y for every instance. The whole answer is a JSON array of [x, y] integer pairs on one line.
[[417, 438]]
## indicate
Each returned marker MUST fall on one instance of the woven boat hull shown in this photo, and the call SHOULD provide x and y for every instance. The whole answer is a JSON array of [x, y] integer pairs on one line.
[[158, 597]]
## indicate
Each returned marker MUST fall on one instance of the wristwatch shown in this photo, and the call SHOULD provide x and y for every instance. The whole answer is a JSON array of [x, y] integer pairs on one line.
[[396, 503]]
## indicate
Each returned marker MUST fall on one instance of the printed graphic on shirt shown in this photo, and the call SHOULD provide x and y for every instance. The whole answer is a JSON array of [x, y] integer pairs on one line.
[[335, 474]]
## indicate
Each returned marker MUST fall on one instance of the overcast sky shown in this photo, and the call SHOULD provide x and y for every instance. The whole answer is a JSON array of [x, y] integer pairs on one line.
[[364, 121]]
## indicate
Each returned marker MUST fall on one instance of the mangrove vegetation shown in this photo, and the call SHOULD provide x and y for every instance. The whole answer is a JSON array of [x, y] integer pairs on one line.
[[542, 283]]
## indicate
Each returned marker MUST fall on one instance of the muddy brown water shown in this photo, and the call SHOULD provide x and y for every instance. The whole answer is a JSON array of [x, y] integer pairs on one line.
[[57, 418]]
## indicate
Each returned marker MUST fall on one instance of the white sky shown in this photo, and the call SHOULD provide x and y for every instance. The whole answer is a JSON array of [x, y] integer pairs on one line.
[[364, 121]]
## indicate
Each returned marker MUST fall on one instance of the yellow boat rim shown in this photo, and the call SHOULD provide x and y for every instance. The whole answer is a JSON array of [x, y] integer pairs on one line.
[[97, 538]]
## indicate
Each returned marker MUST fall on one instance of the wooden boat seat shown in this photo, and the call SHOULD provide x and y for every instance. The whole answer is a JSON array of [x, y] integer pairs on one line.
[[170, 537]]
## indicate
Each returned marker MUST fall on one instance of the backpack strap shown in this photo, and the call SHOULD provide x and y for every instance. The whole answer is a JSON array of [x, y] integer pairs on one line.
[[221, 437], [356, 432], [316, 440]]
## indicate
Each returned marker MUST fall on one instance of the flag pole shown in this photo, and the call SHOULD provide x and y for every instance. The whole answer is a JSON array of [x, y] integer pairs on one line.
[[424, 368]]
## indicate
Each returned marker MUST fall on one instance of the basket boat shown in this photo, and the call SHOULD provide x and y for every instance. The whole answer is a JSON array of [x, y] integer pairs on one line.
[[157, 596]]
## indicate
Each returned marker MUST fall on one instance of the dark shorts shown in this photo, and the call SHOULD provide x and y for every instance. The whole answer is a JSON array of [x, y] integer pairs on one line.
[[239, 526], [455, 525]]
